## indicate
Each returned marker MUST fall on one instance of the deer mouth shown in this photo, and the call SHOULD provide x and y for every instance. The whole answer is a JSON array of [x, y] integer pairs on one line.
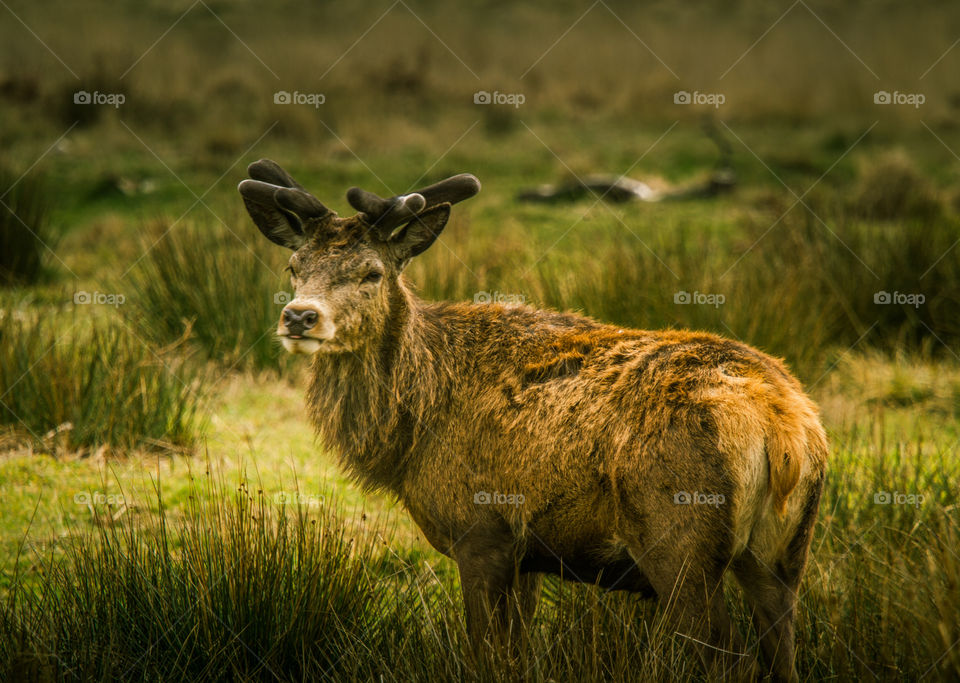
[[301, 337], [301, 343]]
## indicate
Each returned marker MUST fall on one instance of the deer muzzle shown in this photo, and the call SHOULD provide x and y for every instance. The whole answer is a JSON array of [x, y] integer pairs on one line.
[[304, 326]]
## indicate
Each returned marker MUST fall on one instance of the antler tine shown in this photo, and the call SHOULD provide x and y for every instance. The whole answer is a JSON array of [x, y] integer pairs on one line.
[[270, 172], [454, 189], [387, 214], [367, 202], [271, 186], [300, 202]]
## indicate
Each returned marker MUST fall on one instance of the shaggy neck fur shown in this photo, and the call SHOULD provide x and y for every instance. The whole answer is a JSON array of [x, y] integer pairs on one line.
[[373, 405]]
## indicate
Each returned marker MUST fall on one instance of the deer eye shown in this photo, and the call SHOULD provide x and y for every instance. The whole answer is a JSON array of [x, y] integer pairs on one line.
[[371, 278]]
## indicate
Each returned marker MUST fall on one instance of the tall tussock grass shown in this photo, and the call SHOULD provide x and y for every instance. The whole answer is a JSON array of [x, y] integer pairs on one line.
[[810, 285], [225, 295], [65, 381], [239, 587], [892, 188], [872, 268], [234, 590], [26, 230], [820, 279]]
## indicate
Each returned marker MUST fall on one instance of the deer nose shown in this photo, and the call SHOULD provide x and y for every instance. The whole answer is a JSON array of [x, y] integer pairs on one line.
[[298, 320]]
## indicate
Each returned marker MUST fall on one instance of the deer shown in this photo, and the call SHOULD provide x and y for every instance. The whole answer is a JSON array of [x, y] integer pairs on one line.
[[619, 189], [527, 442]]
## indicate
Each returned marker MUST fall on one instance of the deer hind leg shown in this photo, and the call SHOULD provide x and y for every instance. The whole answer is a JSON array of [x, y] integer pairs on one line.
[[772, 600], [686, 570], [770, 587], [697, 612]]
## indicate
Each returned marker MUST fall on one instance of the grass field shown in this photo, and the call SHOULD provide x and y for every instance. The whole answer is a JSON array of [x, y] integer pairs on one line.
[[166, 512]]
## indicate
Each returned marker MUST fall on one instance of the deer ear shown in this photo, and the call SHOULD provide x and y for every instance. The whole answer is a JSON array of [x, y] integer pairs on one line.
[[421, 232], [280, 227]]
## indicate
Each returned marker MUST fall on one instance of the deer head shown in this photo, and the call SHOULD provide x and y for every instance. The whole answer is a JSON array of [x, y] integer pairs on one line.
[[345, 271]]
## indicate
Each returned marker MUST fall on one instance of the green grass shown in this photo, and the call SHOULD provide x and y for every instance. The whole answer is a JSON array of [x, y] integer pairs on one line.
[[300, 576], [256, 429], [67, 383], [201, 282], [231, 583]]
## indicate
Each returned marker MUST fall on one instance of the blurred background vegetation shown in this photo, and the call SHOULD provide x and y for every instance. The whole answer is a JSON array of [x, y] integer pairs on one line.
[[838, 197], [137, 299]]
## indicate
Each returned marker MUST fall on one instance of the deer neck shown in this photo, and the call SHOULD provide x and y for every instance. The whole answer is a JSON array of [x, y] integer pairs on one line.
[[372, 406]]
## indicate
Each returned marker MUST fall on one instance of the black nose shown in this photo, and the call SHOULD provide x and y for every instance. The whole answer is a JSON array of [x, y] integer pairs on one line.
[[298, 320]]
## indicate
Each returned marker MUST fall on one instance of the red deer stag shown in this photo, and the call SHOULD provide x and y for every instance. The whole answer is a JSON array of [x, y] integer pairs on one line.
[[526, 442]]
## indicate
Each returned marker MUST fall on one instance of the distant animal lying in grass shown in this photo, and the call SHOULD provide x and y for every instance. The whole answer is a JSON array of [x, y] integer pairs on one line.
[[525, 441], [619, 189]]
